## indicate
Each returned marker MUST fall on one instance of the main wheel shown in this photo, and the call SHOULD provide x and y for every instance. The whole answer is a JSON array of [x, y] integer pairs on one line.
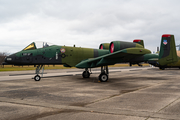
[[103, 77], [86, 74], [161, 68], [37, 78]]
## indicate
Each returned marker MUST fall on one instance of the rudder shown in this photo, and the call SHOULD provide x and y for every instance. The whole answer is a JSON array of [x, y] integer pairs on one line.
[[141, 42], [168, 50]]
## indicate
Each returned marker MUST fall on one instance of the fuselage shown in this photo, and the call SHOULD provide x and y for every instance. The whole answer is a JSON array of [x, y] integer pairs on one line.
[[69, 56]]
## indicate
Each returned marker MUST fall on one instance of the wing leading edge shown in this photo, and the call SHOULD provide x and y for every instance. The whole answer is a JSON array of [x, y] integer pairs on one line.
[[121, 56]]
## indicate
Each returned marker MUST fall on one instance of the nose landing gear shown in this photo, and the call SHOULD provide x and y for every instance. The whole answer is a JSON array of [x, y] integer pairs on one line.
[[37, 78], [38, 69]]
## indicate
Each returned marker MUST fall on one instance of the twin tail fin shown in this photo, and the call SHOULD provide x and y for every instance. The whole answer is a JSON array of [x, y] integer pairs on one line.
[[167, 50]]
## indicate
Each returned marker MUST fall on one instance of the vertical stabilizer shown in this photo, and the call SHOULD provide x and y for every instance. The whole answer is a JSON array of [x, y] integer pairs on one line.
[[141, 42], [167, 50]]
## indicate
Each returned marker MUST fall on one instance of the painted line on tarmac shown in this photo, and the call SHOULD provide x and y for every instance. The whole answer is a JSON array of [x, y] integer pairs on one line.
[[48, 75], [23, 74], [135, 70], [56, 76]]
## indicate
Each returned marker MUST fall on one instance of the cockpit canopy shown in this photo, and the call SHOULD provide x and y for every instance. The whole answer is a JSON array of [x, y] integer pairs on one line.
[[37, 45]]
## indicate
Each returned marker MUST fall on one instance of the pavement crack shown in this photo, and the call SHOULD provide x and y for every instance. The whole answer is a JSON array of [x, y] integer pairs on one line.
[[121, 92], [26, 104], [163, 108], [168, 104], [46, 114]]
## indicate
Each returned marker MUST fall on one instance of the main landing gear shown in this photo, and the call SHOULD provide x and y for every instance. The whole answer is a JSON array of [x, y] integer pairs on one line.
[[86, 73], [161, 68], [103, 77], [140, 65], [38, 69]]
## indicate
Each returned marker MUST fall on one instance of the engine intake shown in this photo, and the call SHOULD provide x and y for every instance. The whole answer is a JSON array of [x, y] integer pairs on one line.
[[104, 46]]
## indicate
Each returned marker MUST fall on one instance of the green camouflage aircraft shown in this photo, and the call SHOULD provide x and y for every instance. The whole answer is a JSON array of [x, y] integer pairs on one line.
[[87, 58], [168, 57]]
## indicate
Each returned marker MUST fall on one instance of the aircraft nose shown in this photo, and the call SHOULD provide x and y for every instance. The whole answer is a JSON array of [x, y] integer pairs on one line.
[[5, 60], [9, 59]]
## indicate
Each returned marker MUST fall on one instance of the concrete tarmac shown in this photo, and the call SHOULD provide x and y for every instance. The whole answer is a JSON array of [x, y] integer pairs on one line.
[[132, 93]]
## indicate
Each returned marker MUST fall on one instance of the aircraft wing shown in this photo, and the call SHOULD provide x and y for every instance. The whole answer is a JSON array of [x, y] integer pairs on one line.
[[121, 56]]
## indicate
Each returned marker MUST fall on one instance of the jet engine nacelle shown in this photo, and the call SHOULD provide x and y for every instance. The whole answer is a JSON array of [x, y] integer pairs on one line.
[[104, 46], [120, 45]]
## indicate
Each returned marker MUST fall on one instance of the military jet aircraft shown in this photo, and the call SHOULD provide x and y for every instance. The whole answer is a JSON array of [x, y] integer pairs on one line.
[[168, 56], [86, 58]]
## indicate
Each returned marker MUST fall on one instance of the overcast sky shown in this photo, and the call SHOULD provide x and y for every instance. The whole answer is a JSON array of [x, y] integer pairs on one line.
[[86, 23]]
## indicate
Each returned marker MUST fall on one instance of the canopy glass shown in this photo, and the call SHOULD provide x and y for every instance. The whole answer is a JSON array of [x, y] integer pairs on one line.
[[37, 45]]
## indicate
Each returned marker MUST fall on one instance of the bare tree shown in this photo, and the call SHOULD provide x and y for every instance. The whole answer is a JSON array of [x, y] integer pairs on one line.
[[3, 56]]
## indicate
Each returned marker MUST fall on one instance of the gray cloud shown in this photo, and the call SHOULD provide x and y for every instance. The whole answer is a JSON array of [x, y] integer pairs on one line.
[[86, 23]]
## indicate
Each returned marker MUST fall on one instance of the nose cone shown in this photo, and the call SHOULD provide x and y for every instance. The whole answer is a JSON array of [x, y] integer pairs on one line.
[[5, 59], [10, 59]]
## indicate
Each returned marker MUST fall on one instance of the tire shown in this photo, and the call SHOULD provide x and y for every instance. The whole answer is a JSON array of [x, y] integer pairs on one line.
[[103, 77], [86, 74], [161, 68], [37, 78]]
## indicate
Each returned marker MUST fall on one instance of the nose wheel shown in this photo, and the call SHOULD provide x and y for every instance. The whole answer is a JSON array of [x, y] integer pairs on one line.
[[37, 78]]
